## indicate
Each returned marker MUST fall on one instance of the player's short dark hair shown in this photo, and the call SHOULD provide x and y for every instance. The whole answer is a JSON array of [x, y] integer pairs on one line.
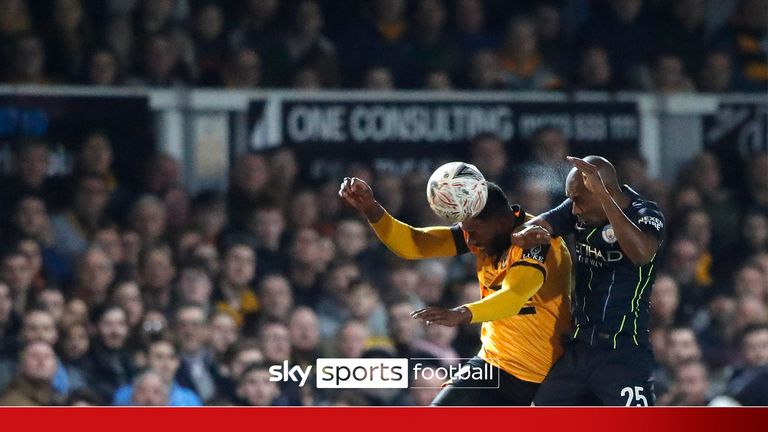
[[497, 203]]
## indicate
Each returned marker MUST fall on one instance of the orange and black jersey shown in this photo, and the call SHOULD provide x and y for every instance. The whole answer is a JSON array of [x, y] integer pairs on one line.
[[523, 295]]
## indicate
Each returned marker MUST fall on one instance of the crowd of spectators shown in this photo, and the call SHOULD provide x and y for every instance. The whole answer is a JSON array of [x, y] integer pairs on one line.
[[111, 294], [653, 45]]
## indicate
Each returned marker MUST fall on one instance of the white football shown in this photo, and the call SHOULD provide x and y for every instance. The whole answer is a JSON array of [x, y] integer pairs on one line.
[[457, 191]]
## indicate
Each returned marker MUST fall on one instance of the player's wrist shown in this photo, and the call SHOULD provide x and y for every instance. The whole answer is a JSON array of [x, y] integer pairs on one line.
[[373, 211], [465, 313]]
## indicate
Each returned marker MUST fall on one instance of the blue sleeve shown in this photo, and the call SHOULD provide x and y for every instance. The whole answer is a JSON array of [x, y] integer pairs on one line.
[[650, 220], [561, 219]]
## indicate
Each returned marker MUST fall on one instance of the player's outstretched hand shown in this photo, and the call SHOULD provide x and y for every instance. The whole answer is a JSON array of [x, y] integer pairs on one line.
[[442, 316], [359, 195], [530, 237]]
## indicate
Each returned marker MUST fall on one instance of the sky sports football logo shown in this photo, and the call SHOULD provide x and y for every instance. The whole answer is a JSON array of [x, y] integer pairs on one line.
[[372, 373]]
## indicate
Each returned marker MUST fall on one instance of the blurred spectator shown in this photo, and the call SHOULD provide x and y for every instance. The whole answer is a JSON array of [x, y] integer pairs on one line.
[[208, 33], [31, 177], [378, 78], [198, 370], [551, 35], [148, 219], [428, 46], [627, 33], [194, 286], [235, 294], [16, 272], [255, 388], [595, 71], [276, 297], [259, 33], [241, 70], [224, 334], [471, 31], [524, 66], [485, 72], [33, 386], [404, 331], [10, 323], [160, 65], [247, 186], [691, 386], [306, 47], [103, 69], [549, 147], [682, 33], [156, 273], [379, 39], [749, 385], [150, 390], [27, 65], [94, 276], [303, 271], [76, 227], [668, 75], [111, 366], [716, 74], [742, 37], [304, 330], [364, 305], [489, 155], [665, 300], [68, 41], [757, 181], [351, 339], [696, 289], [164, 361]]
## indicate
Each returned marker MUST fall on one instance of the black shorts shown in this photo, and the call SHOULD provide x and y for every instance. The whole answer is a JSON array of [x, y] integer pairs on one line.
[[502, 389], [587, 375]]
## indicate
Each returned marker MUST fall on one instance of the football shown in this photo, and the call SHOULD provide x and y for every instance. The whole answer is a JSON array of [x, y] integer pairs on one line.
[[457, 191]]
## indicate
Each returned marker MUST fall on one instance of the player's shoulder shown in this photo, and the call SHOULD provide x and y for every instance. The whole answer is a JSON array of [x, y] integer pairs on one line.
[[642, 206]]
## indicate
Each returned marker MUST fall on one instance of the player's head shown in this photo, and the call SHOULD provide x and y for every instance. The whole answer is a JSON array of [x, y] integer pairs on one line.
[[586, 205], [489, 231]]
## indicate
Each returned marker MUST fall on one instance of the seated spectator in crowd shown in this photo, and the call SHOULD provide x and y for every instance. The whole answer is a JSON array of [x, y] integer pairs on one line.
[[275, 297], [94, 276], [76, 227], [716, 74], [749, 385], [691, 386], [594, 72], [304, 330], [31, 177], [164, 361], [149, 389], [103, 69], [352, 339], [33, 385], [255, 388], [111, 365], [224, 334], [521, 61], [198, 370], [235, 295]]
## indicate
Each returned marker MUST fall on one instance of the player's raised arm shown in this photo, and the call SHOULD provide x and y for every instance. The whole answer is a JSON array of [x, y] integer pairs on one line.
[[638, 245], [402, 239]]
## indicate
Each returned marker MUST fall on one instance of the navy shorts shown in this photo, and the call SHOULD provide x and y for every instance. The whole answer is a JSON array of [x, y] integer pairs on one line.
[[587, 375]]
